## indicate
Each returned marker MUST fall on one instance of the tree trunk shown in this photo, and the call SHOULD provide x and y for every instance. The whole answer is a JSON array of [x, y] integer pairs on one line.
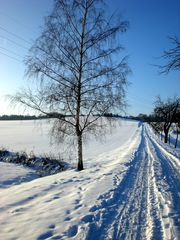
[[80, 155], [165, 137], [176, 140], [169, 139], [78, 131]]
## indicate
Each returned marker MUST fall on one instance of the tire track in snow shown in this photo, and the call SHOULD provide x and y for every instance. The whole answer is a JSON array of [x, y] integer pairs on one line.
[[167, 181], [155, 229], [139, 207], [141, 217], [122, 213], [131, 222]]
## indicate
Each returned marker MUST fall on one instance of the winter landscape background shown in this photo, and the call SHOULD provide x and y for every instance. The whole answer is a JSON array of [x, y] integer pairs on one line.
[[128, 190]]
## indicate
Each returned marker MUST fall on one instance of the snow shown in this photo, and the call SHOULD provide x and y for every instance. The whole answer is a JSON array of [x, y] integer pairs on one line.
[[33, 136], [12, 174], [130, 189], [26, 136]]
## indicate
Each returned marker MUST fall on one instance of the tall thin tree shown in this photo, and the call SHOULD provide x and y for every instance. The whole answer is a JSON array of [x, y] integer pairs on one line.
[[81, 76]]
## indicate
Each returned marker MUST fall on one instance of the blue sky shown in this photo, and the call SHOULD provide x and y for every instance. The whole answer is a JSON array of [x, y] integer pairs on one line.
[[151, 22]]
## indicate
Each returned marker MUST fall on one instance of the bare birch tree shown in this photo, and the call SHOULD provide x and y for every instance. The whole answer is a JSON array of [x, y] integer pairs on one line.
[[80, 75]]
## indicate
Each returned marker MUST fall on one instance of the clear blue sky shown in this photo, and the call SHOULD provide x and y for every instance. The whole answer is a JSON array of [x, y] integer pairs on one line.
[[151, 22]]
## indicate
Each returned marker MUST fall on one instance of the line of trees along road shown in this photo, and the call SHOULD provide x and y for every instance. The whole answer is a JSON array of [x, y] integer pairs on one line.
[[166, 114], [77, 70]]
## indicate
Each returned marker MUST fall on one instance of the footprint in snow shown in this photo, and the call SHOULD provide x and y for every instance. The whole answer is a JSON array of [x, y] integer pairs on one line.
[[56, 197], [45, 235], [88, 218], [93, 209], [78, 206], [52, 226], [72, 231], [67, 219], [17, 210], [77, 201], [68, 212]]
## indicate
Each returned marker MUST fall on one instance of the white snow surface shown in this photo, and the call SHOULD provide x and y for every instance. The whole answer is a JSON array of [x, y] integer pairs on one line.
[[12, 174], [26, 136], [130, 189]]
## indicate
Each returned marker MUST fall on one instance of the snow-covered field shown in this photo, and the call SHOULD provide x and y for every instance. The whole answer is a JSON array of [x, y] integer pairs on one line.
[[26, 136], [33, 136], [130, 189]]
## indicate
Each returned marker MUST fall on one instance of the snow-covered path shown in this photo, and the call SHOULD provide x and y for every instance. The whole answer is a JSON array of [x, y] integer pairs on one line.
[[164, 174], [146, 203], [131, 192]]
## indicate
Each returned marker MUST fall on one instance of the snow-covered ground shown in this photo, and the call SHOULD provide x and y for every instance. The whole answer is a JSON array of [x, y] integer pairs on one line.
[[130, 189], [33, 136], [13, 174], [26, 136]]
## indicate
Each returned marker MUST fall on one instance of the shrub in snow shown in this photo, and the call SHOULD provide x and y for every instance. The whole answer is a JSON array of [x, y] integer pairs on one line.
[[43, 165], [3, 153]]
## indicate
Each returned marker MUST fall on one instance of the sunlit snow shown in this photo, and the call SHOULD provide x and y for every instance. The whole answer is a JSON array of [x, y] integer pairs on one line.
[[129, 190]]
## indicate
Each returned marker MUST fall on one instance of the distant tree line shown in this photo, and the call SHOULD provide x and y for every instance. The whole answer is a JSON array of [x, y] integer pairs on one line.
[[21, 117], [141, 117]]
